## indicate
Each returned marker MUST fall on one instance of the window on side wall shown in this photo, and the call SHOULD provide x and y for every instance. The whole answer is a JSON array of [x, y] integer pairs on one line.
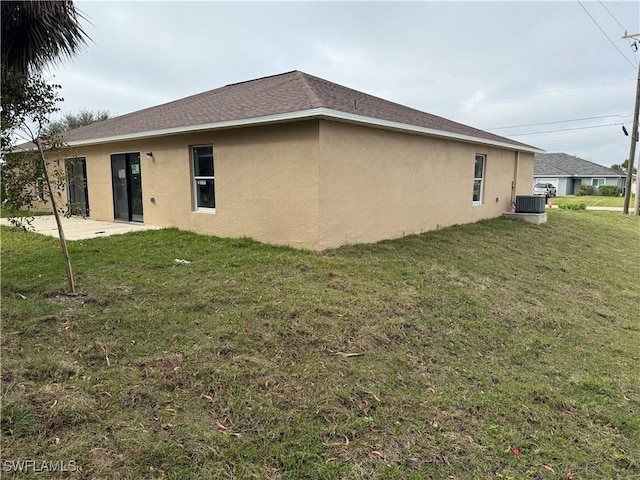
[[478, 178], [39, 186], [596, 182], [204, 192]]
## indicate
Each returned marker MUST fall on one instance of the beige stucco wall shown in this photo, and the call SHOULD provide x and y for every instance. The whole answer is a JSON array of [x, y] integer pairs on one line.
[[266, 183], [315, 184], [379, 184]]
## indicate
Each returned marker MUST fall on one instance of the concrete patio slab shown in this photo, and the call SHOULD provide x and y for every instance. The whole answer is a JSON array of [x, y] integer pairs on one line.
[[76, 228]]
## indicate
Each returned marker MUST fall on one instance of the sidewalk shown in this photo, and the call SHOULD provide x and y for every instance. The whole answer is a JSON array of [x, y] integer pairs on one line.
[[76, 228], [604, 209], [608, 209]]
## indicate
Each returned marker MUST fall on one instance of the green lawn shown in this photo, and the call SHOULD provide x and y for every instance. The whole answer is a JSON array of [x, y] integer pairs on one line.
[[593, 200], [498, 350], [23, 213]]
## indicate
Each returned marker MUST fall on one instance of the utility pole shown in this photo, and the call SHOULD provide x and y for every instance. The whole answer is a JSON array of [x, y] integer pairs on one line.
[[636, 203], [632, 149]]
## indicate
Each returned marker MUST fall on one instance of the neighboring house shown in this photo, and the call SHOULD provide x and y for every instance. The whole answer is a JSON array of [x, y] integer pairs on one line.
[[294, 159], [568, 173]]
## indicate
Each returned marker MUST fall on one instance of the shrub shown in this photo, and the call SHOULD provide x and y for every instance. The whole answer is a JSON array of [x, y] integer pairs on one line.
[[610, 190], [586, 190], [573, 206]]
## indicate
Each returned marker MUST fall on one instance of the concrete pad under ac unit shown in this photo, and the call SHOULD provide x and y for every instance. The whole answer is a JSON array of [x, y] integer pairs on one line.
[[535, 218]]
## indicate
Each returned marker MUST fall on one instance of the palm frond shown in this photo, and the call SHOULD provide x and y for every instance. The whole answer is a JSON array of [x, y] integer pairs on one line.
[[36, 33]]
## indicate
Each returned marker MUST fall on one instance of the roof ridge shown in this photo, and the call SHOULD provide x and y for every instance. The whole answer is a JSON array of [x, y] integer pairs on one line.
[[276, 97], [260, 78], [360, 95], [310, 92], [188, 98]]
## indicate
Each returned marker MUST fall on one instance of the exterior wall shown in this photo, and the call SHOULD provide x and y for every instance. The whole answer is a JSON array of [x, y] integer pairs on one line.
[[607, 181], [314, 184], [571, 185], [38, 194], [377, 184], [266, 182], [42, 202], [564, 187]]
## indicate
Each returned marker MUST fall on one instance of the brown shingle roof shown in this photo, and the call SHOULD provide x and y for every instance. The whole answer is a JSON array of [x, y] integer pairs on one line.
[[270, 96]]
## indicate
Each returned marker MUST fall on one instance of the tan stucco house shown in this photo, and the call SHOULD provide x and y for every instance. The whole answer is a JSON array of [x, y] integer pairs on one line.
[[296, 160]]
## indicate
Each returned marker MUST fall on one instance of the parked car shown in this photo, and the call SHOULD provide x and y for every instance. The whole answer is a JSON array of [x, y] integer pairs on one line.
[[547, 189]]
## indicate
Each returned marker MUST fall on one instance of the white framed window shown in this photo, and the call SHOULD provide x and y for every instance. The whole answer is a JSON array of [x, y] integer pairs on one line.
[[40, 192], [204, 191], [39, 180], [596, 182], [478, 178]]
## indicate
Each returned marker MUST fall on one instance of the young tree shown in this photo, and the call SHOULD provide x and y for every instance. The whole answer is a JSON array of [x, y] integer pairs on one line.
[[26, 103], [27, 175], [34, 34]]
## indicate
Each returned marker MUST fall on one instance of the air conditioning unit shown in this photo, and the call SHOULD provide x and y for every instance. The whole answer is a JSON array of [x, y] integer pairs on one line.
[[530, 203]]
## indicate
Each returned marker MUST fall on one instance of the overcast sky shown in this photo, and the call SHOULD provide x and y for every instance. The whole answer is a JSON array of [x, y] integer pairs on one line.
[[490, 65]]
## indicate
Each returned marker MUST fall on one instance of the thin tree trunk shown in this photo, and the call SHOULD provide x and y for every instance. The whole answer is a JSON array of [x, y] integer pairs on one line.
[[63, 241]]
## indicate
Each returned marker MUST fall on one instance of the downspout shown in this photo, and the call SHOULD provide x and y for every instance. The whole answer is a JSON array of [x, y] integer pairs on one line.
[[515, 179]]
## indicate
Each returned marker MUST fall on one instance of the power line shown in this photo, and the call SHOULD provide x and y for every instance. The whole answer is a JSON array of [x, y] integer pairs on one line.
[[565, 129], [534, 93], [605, 34], [489, 68], [612, 16], [559, 121]]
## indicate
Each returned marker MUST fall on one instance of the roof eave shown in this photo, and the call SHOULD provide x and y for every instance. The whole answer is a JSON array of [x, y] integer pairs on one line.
[[321, 112], [351, 118]]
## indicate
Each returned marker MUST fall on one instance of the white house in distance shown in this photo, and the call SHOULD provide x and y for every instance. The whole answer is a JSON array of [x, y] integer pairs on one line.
[[568, 173]]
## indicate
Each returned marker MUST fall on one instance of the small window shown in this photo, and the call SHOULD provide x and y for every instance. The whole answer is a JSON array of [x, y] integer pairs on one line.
[[203, 177], [40, 191], [596, 182], [478, 178], [39, 180]]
